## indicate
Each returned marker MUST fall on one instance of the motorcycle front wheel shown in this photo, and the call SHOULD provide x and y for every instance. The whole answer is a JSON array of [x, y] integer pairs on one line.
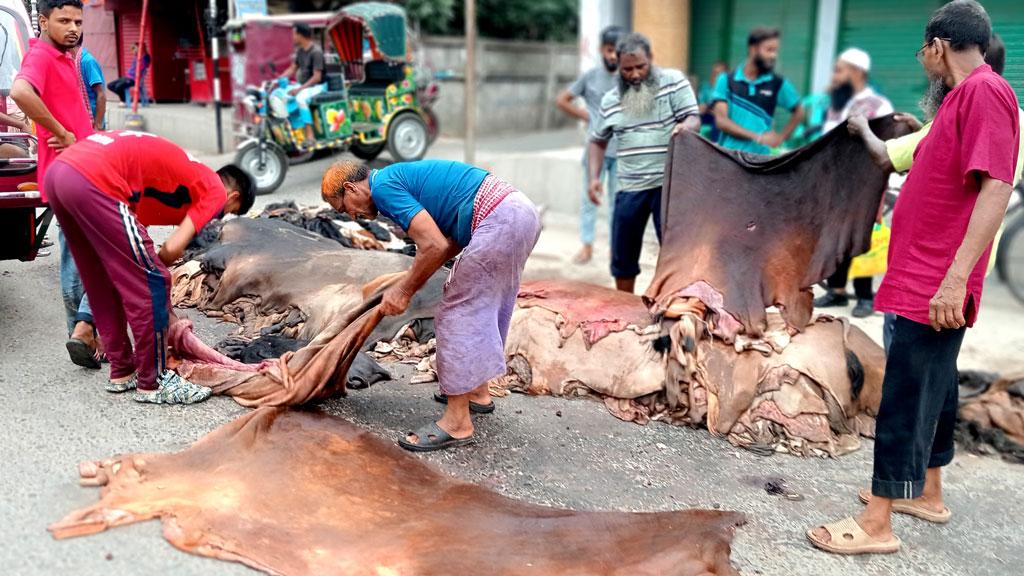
[[267, 172]]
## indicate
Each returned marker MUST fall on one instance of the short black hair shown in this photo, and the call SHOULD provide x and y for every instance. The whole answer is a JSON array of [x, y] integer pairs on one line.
[[762, 33], [304, 30], [611, 34], [995, 56], [632, 43], [237, 179], [47, 6], [964, 23]]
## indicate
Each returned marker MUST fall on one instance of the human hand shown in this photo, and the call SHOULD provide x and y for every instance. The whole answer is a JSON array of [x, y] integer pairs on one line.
[[24, 127], [595, 191], [910, 119], [59, 142], [858, 125], [770, 139], [293, 91], [946, 308], [395, 301], [678, 129]]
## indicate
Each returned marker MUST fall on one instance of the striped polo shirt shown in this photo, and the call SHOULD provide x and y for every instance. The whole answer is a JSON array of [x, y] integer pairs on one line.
[[643, 142]]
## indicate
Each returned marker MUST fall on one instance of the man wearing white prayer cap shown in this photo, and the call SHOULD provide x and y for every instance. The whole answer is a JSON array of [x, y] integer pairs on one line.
[[850, 95]]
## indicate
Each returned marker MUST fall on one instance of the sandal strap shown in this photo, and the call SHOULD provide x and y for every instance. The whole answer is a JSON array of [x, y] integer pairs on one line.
[[846, 526], [424, 433]]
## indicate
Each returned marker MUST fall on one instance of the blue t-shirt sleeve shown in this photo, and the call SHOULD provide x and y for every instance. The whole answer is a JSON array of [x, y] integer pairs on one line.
[[721, 91], [396, 203], [91, 72], [789, 98]]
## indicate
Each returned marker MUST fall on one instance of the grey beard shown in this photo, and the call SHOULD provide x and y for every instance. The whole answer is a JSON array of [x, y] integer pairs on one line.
[[933, 97], [638, 100]]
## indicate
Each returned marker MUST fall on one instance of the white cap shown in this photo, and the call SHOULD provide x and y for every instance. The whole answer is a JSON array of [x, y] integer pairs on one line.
[[856, 57]]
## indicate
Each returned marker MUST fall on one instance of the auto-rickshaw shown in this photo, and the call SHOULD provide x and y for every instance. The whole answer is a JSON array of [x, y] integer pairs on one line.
[[24, 217], [372, 101]]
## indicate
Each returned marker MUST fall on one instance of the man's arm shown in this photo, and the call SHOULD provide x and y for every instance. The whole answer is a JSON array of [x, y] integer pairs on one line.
[[175, 246], [690, 123], [7, 120], [101, 105], [290, 70], [565, 104], [794, 120], [25, 96], [946, 307], [858, 126], [432, 251], [595, 160]]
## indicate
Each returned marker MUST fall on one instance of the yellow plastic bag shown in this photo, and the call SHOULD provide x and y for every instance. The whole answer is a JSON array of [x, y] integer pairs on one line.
[[874, 261]]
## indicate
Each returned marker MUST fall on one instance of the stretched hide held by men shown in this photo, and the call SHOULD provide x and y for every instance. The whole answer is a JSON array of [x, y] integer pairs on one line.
[[291, 492], [741, 232]]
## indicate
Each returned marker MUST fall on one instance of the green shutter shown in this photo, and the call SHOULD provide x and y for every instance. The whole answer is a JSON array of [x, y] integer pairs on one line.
[[891, 32], [1008, 21], [708, 25]]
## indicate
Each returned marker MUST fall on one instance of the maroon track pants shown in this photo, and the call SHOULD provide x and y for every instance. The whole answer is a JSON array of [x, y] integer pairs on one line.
[[126, 282]]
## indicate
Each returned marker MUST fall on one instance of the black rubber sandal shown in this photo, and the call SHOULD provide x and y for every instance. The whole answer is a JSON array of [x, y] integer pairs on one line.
[[474, 407], [82, 355], [431, 438]]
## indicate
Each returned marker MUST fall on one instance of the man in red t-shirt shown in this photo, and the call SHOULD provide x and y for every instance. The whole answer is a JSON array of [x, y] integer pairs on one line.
[[48, 90], [943, 225], [104, 191]]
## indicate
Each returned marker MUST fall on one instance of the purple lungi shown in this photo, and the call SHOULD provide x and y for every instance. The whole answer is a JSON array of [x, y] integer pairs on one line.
[[480, 295], [126, 282]]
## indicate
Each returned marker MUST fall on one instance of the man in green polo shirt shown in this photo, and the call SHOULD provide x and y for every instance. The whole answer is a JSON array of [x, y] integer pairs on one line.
[[745, 100]]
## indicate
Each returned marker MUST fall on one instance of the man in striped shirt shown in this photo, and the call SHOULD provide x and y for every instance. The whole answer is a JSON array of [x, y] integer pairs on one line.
[[643, 112]]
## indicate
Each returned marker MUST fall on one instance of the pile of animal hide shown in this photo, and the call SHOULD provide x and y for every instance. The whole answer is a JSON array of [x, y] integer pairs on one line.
[[378, 234], [285, 286], [813, 395], [295, 492], [992, 415]]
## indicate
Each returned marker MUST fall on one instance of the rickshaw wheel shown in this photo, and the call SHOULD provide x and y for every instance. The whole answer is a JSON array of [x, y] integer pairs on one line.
[[270, 175], [408, 138], [367, 152]]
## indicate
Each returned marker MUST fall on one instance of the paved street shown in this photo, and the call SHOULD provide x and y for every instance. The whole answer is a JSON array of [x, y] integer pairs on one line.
[[569, 453]]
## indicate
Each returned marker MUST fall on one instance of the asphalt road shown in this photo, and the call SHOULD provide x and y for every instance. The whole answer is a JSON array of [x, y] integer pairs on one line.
[[569, 453]]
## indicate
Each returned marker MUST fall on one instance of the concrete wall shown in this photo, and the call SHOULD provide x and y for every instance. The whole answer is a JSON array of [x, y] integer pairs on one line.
[[518, 82]]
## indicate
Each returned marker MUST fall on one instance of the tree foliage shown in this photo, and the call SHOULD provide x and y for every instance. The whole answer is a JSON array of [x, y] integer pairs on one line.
[[555, 20]]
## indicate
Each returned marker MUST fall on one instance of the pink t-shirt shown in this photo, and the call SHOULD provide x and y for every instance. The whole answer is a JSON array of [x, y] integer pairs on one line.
[[975, 132], [55, 77]]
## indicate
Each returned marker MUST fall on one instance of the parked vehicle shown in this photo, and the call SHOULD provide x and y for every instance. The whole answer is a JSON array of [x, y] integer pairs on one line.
[[24, 217], [372, 102], [1010, 253]]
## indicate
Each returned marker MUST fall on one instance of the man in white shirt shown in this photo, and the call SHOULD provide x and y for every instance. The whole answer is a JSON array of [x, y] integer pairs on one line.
[[850, 95]]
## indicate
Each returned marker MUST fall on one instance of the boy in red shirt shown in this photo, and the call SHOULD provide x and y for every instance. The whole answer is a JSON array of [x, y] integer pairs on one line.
[[943, 226], [104, 191], [48, 90]]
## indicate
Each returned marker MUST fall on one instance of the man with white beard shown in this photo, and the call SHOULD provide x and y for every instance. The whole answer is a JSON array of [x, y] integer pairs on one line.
[[649, 106]]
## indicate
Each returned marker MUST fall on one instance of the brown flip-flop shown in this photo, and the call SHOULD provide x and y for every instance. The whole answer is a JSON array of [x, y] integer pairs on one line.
[[911, 508], [848, 538]]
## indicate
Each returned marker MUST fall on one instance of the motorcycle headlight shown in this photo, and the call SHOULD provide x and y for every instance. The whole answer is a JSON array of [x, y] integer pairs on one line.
[[278, 106]]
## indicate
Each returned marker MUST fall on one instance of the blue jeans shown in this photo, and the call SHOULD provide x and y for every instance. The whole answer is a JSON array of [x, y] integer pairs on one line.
[[588, 210], [76, 302]]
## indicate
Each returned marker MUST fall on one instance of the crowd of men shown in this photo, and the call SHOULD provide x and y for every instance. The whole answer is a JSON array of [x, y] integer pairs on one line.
[[962, 164]]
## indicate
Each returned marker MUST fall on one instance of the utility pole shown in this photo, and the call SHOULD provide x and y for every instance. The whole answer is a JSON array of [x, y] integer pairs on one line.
[[215, 52], [470, 82], [35, 17]]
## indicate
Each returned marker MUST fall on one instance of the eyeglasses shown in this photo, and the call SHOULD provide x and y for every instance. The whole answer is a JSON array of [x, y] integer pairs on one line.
[[920, 52]]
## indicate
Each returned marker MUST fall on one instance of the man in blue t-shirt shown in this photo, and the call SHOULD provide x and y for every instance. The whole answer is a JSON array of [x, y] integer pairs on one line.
[[744, 100], [92, 77], [450, 208]]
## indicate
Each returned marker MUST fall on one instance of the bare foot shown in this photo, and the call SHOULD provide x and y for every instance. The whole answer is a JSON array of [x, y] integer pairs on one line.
[[586, 254], [928, 502], [86, 333]]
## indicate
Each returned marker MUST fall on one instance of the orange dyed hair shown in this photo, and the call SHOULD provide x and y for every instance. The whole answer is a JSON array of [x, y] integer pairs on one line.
[[332, 185]]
